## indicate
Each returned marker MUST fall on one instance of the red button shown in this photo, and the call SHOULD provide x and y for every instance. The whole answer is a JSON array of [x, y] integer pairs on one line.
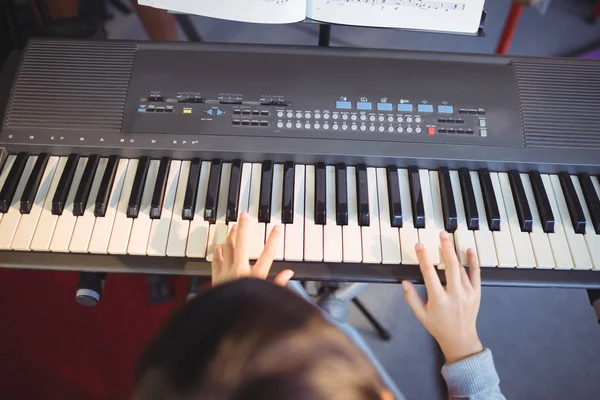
[[431, 130]]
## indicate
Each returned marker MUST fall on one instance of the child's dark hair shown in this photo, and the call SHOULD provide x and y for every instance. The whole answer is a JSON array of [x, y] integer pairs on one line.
[[251, 339]]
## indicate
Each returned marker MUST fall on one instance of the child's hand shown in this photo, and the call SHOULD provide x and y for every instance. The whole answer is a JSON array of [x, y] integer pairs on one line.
[[231, 259], [450, 314]]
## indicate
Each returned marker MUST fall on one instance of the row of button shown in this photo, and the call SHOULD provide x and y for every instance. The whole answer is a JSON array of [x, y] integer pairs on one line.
[[471, 111], [344, 127], [468, 131], [403, 107], [151, 108], [451, 121], [354, 117], [264, 113], [247, 122]]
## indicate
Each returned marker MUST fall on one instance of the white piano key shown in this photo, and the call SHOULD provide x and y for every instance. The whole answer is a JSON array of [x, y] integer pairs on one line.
[[371, 235], [121, 229], [592, 240], [520, 240], [313, 233], [438, 214], [257, 229], [579, 252], [10, 160], [332, 233], [409, 235], [503, 238], [463, 237], [484, 240], [179, 229], [84, 226], [159, 232], [198, 238], [10, 221], [28, 223], [217, 233], [244, 196], [276, 200], [558, 240], [294, 233], [140, 231], [429, 236], [104, 226], [390, 237], [352, 246]]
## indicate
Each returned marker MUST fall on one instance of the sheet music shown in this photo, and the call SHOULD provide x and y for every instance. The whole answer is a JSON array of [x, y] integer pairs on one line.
[[447, 16], [258, 11]]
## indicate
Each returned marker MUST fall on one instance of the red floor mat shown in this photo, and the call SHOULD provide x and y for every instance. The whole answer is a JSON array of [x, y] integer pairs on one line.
[[53, 348]]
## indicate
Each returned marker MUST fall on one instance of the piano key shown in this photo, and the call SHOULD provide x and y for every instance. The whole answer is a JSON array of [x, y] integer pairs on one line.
[[294, 232], [191, 191], [416, 198], [217, 232], [29, 221], [448, 204], [212, 194], [276, 204], [159, 232], [244, 193], [579, 252], [591, 199], [234, 191], [33, 183], [351, 238], [592, 239], [438, 215], [266, 187], [463, 237], [64, 185], [362, 198], [160, 187], [371, 235], [575, 210], [409, 235], [106, 186], [429, 235], [121, 229], [542, 203], [5, 171], [502, 237], [484, 240], [15, 176], [520, 201], [320, 196], [83, 191], [596, 184], [12, 216], [520, 239], [390, 239], [558, 240], [341, 195], [109, 204], [140, 230], [63, 231], [256, 229], [180, 228], [313, 232], [84, 226], [287, 206], [490, 202], [470, 207], [539, 239], [198, 238], [332, 232], [393, 189], [139, 185]]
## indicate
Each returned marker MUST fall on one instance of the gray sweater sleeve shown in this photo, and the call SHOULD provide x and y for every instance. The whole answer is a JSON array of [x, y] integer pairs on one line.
[[474, 378]]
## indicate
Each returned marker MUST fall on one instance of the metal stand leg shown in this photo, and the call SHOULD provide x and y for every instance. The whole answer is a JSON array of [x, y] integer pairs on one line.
[[324, 35], [509, 28], [187, 26], [383, 333]]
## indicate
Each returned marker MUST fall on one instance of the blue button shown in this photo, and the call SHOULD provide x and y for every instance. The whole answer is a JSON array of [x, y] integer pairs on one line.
[[425, 108], [445, 109], [384, 106], [347, 105], [210, 112], [363, 105], [219, 112], [405, 107], [141, 110]]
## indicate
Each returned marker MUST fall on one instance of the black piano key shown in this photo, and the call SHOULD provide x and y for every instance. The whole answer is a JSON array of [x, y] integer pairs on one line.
[[33, 183], [394, 196], [191, 190], [448, 203], [591, 198], [212, 192], [542, 202], [10, 185], [137, 190], [341, 195], [320, 202], [266, 189], [489, 200], [235, 180], [362, 196], [468, 195], [158, 195], [83, 191], [416, 197], [64, 185], [287, 207], [106, 185], [575, 210], [520, 199]]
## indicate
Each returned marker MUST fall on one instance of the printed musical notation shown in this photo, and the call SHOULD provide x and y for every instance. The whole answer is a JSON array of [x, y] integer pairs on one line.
[[396, 4]]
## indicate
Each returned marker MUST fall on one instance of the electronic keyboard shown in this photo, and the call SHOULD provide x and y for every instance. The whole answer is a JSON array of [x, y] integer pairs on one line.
[[123, 156]]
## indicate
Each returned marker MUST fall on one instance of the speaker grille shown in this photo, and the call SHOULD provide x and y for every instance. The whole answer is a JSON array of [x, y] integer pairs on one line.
[[67, 85]]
